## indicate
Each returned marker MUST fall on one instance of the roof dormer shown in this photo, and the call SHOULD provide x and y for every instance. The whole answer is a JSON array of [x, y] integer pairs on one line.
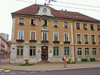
[[44, 10]]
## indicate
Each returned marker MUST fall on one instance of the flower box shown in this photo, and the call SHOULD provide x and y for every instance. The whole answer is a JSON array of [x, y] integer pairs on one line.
[[55, 26], [92, 28], [79, 42], [84, 59], [66, 26], [32, 40], [21, 23], [33, 25], [93, 42], [44, 41], [85, 28], [44, 24], [67, 42], [99, 29], [86, 42], [19, 40], [78, 27], [56, 41]]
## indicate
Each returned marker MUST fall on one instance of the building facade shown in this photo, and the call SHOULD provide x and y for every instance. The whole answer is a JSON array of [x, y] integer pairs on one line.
[[41, 33], [4, 36], [4, 48]]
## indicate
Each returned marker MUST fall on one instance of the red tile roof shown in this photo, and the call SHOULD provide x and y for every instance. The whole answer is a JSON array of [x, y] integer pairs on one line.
[[33, 10]]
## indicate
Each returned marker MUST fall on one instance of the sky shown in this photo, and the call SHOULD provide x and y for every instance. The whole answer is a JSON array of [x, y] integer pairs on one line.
[[88, 7]]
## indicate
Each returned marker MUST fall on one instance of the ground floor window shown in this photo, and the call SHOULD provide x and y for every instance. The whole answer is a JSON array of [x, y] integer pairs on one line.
[[79, 51], [66, 50], [93, 51], [56, 51], [32, 50], [86, 51], [19, 50]]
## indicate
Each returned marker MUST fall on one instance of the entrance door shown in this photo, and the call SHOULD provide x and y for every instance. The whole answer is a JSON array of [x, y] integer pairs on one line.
[[44, 53]]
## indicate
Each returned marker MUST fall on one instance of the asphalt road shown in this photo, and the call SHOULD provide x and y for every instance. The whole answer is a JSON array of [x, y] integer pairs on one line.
[[94, 71]]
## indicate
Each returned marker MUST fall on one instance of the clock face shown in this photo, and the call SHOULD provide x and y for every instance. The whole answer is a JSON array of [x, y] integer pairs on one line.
[[44, 10]]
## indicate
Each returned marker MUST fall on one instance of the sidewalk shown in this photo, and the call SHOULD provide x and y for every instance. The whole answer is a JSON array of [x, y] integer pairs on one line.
[[51, 66]]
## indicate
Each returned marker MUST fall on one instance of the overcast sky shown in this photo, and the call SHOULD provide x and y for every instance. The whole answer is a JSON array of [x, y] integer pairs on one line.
[[91, 8]]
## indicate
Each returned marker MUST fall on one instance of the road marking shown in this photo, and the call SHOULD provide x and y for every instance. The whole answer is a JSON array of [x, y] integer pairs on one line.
[[7, 70], [32, 72], [12, 73], [22, 72]]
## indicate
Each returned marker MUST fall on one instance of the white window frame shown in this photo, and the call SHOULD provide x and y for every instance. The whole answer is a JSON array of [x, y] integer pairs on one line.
[[56, 51], [32, 51], [54, 23], [91, 25], [98, 39], [20, 51], [64, 24], [22, 22], [33, 21], [30, 34], [77, 37], [93, 50], [43, 22], [79, 50], [79, 25], [68, 36], [86, 51], [85, 24], [67, 48], [46, 33], [18, 34], [94, 38], [87, 38], [53, 36]]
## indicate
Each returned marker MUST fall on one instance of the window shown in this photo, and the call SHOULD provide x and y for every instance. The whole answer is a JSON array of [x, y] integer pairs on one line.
[[66, 37], [99, 51], [91, 26], [44, 36], [66, 50], [21, 21], [55, 36], [79, 51], [33, 22], [86, 51], [65, 24], [20, 35], [32, 50], [86, 38], [78, 38], [55, 23], [19, 50], [56, 51], [44, 22], [78, 25], [99, 39], [93, 38], [94, 51], [33, 35], [98, 27], [85, 26]]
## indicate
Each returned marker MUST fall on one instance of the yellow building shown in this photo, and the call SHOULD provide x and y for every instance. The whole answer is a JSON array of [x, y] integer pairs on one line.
[[41, 33]]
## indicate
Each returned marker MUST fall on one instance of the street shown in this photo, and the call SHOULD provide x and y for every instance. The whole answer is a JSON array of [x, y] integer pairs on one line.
[[94, 71]]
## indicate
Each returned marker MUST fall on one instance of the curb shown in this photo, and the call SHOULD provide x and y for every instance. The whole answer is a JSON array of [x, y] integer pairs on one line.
[[53, 70]]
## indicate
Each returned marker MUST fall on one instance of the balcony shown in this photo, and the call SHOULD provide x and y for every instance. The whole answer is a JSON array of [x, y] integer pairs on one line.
[[19, 40], [66, 42], [56, 41], [79, 42], [93, 43], [32, 40], [46, 41], [86, 42]]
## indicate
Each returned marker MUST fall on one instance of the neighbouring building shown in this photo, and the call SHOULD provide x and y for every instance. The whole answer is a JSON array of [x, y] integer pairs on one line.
[[41, 33], [4, 48], [4, 36]]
